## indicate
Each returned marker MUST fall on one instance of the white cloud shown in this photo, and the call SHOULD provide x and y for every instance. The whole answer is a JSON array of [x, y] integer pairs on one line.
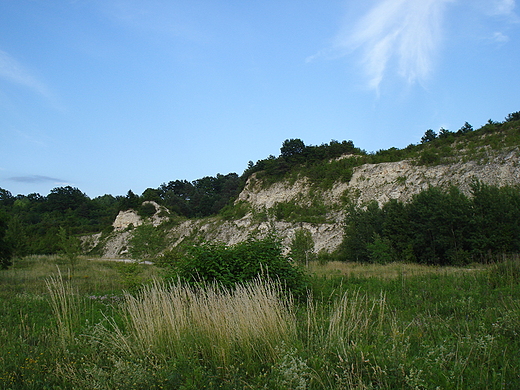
[[500, 37], [13, 71], [401, 33], [502, 7]]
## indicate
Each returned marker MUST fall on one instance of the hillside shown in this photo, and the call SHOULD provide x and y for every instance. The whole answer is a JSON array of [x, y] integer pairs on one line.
[[299, 192]]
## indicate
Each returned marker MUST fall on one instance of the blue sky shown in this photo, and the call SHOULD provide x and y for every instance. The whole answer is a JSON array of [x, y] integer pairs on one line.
[[112, 95]]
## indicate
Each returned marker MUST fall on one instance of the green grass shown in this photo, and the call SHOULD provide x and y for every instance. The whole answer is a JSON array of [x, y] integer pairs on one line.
[[398, 326]]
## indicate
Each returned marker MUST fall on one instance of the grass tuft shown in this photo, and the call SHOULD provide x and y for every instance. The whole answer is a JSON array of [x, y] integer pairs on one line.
[[221, 326], [66, 307]]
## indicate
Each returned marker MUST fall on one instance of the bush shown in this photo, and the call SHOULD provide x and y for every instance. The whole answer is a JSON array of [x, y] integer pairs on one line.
[[5, 249], [302, 247], [240, 263], [429, 157], [146, 210]]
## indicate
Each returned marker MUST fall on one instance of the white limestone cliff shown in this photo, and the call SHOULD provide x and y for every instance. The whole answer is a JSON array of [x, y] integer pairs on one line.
[[380, 182]]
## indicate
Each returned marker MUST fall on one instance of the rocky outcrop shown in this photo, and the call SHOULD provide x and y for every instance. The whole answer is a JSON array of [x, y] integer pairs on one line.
[[130, 217], [401, 180], [116, 244], [394, 180], [126, 218], [381, 182], [327, 237]]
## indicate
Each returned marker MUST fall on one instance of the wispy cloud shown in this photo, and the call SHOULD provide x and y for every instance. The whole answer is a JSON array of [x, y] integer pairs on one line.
[[500, 37], [400, 33], [38, 179], [13, 71], [502, 7], [168, 19], [403, 37], [502, 11]]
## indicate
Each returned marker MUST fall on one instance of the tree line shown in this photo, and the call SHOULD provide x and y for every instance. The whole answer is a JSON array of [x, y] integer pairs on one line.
[[31, 223], [294, 153], [436, 227]]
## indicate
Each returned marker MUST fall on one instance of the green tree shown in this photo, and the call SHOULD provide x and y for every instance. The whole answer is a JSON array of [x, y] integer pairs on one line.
[[70, 247], [177, 196], [130, 201], [5, 249], [495, 225], [64, 198], [467, 128], [151, 194], [439, 225], [396, 229], [515, 116], [380, 250], [292, 147], [16, 236], [302, 246], [362, 225], [428, 136], [6, 199], [444, 133]]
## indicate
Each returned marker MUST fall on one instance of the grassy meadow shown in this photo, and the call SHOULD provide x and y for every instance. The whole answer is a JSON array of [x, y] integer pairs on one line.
[[111, 325]]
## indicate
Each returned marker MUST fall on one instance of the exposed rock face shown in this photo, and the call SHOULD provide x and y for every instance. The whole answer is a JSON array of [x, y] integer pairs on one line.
[[401, 180], [380, 182], [126, 218], [130, 217], [117, 246], [326, 237], [279, 192], [395, 180], [117, 243]]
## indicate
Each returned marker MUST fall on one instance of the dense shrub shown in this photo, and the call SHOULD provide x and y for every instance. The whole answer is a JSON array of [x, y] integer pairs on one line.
[[146, 210], [230, 265], [5, 248]]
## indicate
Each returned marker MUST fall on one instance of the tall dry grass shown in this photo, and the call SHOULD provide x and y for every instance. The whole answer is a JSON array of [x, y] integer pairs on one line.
[[220, 326], [66, 307], [353, 317], [386, 271]]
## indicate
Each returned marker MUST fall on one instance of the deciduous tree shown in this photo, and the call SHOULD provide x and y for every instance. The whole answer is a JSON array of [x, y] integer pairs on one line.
[[302, 246], [292, 147]]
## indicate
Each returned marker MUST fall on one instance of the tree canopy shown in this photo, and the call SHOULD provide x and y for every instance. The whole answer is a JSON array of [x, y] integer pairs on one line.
[[437, 227]]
